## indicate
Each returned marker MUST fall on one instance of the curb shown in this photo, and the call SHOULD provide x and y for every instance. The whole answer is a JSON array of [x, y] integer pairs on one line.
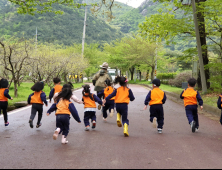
[[176, 98]]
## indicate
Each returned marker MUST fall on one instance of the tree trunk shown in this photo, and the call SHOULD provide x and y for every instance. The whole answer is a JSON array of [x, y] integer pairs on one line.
[[202, 30], [15, 89], [140, 74], [152, 72], [147, 75], [131, 72]]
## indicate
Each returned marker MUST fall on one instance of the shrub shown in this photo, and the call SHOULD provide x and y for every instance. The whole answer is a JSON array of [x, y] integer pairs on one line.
[[180, 78], [164, 77]]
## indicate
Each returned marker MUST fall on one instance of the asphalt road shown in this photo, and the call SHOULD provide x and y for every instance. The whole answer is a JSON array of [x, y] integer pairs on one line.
[[106, 147]]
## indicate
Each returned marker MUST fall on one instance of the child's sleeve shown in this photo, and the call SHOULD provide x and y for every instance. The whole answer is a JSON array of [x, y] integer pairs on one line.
[[75, 99], [52, 108], [100, 94], [219, 102], [43, 98], [131, 96], [199, 99], [97, 99], [51, 94], [181, 95], [29, 98], [164, 98], [6, 93], [74, 112], [111, 95], [148, 98]]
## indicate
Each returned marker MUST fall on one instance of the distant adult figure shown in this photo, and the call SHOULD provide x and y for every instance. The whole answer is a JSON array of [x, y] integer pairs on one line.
[[100, 77]]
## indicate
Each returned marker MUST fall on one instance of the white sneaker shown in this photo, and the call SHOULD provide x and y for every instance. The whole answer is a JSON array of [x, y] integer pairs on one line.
[[87, 129], [93, 124], [64, 141], [154, 122], [56, 133], [111, 113], [104, 119], [160, 130]]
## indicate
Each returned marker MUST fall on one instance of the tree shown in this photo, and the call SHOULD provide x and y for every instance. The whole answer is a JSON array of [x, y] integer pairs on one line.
[[169, 24], [14, 58]]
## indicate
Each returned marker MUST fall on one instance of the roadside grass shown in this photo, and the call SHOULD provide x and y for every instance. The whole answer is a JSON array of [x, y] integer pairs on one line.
[[24, 90], [209, 99]]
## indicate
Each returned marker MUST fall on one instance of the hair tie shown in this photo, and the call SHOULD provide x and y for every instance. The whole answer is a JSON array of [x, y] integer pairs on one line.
[[126, 81]]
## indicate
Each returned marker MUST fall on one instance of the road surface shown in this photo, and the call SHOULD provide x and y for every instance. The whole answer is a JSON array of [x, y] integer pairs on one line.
[[106, 147]]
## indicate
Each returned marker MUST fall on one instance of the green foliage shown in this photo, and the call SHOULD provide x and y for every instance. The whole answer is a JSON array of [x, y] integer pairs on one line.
[[64, 29]]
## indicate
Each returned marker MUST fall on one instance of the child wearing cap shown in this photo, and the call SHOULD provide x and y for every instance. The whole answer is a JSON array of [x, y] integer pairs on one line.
[[156, 98], [219, 105], [191, 97], [123, 96]]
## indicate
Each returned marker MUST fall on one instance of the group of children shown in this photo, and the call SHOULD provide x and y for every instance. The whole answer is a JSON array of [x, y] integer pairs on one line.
[[118, 98]]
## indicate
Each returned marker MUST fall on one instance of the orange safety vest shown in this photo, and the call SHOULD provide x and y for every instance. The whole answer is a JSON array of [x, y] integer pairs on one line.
[[88, 103], [36, 98], [190, 97], [63, 107], [57, 88], [122, 95], [107, 91], [157, 96], [2, 96]]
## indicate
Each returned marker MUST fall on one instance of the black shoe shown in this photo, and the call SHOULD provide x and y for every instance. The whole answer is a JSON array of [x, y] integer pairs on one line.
[[193, 126], [31, 123], [38, 125]]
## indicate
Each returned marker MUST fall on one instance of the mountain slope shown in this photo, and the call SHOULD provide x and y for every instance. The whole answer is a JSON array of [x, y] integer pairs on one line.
[[63, 29]]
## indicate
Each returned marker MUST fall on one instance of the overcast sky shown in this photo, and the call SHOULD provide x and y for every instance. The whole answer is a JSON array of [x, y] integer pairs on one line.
[[133, 3]]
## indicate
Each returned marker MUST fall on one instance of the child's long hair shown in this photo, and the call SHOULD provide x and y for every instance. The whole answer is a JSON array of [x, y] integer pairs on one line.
[[68, 85], [65, 94], [3, 83], [121, 80], [38, 86], [86, 89]]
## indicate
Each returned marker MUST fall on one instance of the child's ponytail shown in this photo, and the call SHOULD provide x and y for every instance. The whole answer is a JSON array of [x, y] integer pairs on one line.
[[86, 89], [121, 80]]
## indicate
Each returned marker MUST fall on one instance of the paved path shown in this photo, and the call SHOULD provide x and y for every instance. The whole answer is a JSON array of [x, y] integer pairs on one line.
[[106, 147]]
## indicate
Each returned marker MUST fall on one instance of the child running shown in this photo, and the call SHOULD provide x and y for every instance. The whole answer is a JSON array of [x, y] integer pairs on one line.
[[191, 97], [123, 96], [4, 96], [219, 105], [89, 101], [37, 99], [63, 107], [57, 88], [156, 98], [73, 98], [109, 105]]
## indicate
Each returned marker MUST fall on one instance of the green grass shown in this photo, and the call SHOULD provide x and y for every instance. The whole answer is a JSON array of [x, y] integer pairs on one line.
[[25, 90], [209, 99]]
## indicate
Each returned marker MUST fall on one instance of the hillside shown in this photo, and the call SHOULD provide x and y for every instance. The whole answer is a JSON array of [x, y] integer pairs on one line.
[[63, 29]]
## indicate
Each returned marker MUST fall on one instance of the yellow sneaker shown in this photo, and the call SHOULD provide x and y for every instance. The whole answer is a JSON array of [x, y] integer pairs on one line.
[[119, 124], [125, 130], [111, 113]]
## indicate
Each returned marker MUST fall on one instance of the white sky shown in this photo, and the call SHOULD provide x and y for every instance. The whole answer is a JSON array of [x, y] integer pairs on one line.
[[133, 3]]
